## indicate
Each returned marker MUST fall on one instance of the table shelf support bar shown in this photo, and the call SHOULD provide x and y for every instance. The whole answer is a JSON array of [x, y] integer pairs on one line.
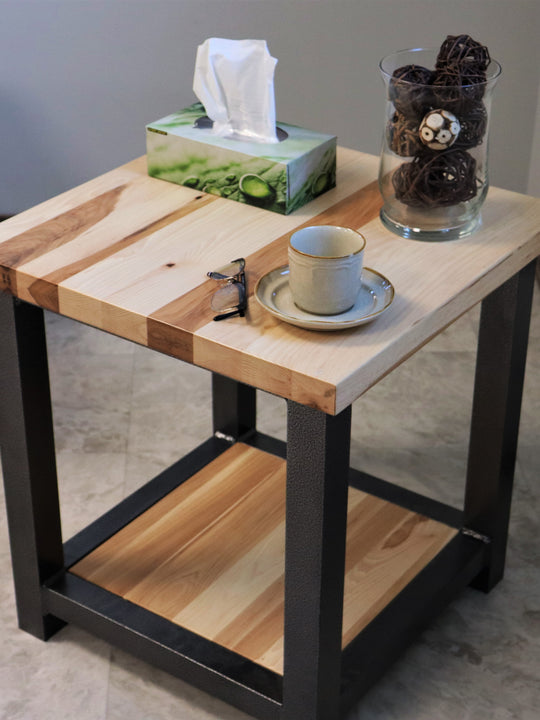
[[234, 408]]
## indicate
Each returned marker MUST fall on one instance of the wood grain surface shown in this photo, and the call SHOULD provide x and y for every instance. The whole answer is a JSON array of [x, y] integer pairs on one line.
[[129, 254], [210, 555]]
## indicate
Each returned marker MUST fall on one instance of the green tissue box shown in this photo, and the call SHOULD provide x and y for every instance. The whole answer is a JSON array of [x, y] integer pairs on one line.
[[280, 176]]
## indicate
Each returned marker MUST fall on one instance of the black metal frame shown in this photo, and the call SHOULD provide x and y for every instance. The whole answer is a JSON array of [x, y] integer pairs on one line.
[[321, 681], [500, 370], [29, 461]]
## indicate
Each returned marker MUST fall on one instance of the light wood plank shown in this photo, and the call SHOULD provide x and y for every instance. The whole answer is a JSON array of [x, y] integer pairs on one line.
[[210, 556], [70, 200], [183, 515]]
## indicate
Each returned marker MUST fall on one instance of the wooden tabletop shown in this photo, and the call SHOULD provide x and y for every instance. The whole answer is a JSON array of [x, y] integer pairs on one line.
[[128, 254]]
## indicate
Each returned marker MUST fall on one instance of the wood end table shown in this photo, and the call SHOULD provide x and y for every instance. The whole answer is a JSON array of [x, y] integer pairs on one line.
[[270, 574]]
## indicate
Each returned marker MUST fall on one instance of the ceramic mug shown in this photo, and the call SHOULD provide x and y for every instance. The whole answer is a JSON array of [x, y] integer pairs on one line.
[[325, 266]]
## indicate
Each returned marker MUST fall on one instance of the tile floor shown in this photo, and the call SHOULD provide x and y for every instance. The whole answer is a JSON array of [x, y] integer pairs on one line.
[[122, 413]]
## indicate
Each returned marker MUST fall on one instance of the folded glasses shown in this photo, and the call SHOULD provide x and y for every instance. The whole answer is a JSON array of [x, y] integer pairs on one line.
[[231, 298]]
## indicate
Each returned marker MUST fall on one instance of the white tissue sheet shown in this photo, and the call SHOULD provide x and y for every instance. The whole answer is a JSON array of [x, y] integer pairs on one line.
[[234, 80]]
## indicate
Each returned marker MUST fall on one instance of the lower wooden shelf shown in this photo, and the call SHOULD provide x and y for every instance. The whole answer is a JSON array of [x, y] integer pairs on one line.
[[210, 555]]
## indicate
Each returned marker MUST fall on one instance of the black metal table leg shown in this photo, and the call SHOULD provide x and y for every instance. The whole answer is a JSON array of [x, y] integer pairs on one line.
[[234, 407], [29, 461], [500, 370], [316, 518]]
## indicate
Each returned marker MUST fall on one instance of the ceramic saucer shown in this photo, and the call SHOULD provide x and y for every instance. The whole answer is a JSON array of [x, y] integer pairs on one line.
[[375, 296]]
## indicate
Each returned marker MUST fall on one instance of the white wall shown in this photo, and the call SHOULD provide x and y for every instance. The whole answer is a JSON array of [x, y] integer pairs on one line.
[[80, 78]]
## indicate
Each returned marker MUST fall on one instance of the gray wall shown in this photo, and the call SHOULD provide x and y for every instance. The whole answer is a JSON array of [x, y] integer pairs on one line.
[[80, 78]]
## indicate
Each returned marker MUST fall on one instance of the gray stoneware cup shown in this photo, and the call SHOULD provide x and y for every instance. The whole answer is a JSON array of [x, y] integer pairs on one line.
[[325, 268]]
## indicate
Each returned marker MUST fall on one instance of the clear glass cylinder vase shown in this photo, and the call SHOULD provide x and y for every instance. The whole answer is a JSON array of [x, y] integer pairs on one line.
[[434, 160]]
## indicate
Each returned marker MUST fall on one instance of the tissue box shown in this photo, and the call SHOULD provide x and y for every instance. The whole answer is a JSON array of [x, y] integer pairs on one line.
[[280, 177]]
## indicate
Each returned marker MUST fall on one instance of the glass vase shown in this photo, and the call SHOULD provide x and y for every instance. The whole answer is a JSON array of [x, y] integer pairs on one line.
[[433, 173]]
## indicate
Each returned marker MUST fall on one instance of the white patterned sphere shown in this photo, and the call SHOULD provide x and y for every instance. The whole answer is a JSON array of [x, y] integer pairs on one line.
[[439, 129]]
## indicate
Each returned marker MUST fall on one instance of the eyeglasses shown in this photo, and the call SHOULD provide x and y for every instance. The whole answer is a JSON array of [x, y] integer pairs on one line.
[[231, 298]]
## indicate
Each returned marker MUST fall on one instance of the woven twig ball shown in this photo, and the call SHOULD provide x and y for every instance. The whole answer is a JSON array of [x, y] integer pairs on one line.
[[457, 91], [402, 135], [437, 180], [410, 91], [473, 127], [463, 51], [460, 73]]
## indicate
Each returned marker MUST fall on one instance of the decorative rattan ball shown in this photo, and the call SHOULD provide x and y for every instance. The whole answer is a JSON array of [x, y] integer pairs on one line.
[[402, 135], [463, 51], [473, 127], [437, 180], [456, 91], [410, 91]]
